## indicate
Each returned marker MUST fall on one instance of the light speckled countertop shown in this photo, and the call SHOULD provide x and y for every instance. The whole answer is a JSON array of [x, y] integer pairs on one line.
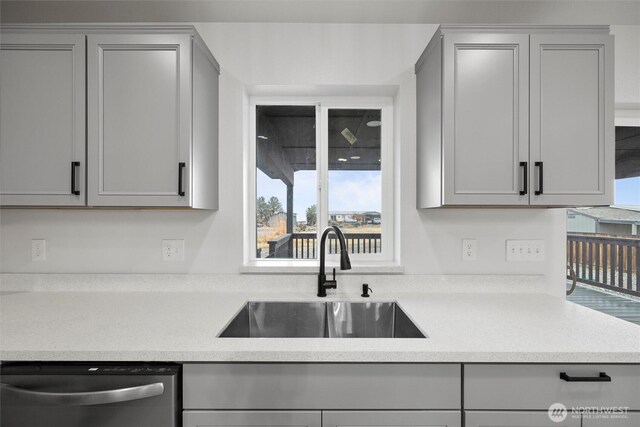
[[112, 325]]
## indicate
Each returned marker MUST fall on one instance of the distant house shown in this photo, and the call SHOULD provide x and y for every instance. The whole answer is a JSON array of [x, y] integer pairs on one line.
[[342, 217], [353, 217], [618, 220], [368, 217]]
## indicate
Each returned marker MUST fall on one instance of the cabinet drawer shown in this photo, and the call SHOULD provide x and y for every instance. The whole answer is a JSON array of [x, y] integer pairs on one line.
[[538, 386], [321, 386], [391, 418], [517, 419], [251, 418], [631, 419]]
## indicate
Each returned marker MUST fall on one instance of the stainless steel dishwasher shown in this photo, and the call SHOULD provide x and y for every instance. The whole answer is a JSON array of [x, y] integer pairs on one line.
[[100, 395]]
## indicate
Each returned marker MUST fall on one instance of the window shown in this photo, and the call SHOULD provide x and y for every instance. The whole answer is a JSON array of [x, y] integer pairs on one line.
[[603, 243], [315, 163]]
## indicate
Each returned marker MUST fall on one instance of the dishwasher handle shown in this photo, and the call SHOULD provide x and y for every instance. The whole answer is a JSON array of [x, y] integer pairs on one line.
[[103, 397]]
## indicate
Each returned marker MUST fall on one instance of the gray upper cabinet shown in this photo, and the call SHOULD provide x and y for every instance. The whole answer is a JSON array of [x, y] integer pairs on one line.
[[152, 121], [572, 122], [150, 110], [485, 117], [515, 116], [42, 124], [139, 119]]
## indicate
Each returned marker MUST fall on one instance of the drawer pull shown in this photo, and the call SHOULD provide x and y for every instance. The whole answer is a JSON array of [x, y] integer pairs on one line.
[[601, 378]]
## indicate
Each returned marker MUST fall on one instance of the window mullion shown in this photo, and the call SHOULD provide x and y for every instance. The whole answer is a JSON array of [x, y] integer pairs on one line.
[[322, 150]]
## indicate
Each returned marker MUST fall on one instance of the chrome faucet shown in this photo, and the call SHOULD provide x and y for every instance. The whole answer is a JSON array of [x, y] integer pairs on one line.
[[345, 263]]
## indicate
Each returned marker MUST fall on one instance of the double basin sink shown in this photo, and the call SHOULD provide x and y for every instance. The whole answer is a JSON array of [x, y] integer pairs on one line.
[[268, 319]]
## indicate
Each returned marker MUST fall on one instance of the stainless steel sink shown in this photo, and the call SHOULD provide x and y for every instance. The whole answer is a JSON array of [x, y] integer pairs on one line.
[[262, 319]]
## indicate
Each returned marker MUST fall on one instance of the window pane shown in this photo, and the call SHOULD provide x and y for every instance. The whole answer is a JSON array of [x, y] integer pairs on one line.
[[286, 182], [627, 166], [603, 242], [355, 190]]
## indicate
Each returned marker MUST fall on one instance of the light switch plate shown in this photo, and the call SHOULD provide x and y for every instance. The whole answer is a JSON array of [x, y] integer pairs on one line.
[[38, 250], [469, 250], [173, 250], [525, 250]]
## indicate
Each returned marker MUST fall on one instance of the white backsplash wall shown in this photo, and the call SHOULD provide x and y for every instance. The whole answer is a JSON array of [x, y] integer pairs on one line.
[[129, 241]]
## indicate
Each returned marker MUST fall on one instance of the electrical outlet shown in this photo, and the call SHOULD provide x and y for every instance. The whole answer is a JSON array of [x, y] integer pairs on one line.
[[525, 250], [173, 250], [469, 250], [38, 250]]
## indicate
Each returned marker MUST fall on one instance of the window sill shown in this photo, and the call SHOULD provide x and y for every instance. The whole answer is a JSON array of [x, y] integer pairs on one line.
[[311, 267]]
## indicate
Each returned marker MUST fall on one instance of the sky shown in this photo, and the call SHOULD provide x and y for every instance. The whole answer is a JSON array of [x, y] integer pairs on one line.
[[628, 191], [348, 191]]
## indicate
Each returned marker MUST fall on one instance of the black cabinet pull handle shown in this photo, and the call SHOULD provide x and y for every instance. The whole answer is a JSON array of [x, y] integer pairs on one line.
[[540, 189], [181, 166], [601, 378], [74, 191], [526, 178]]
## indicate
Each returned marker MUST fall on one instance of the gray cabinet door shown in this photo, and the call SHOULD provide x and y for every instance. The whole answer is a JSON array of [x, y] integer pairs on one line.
[[139, 119], [537, 387], [485, 103], [251, 418], [391, 418], [42, 125], [519, 419], [337, 386], [572, 123], [631, 419]]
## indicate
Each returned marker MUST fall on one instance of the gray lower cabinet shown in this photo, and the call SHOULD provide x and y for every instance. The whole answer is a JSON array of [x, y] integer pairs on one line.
[[537, 387], [330, 386], [322, 394], [631, 419], [391, 418], [517, 419], [252, 418], [410, 395], [525, 395], [42, 109], [543, 419], [322, 419]]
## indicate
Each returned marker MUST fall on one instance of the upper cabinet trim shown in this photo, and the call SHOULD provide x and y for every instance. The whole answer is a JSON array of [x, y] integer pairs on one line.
[[115, 28], [525, 29], [508, 29]]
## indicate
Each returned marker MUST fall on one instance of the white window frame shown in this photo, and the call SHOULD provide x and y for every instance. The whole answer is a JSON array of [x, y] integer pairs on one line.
[[384, 260]]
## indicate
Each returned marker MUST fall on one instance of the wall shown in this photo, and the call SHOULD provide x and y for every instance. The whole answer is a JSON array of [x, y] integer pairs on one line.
[[127, 241]]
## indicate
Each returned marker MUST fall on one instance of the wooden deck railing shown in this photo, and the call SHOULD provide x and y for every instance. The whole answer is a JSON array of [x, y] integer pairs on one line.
[[606, 261], [304, 245]]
